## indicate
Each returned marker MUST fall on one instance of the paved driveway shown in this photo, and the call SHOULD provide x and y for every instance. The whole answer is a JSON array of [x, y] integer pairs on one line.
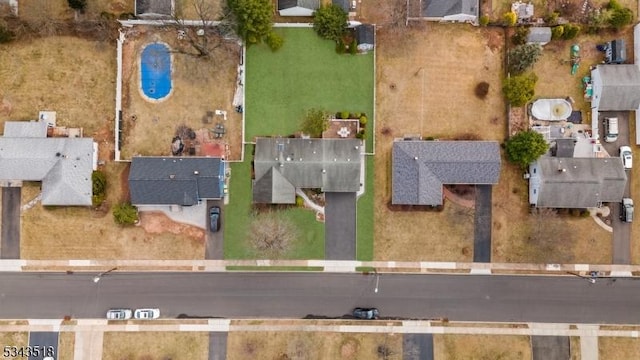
[[417, 347], [550, 347], [621, 230], [482, 224], [217, 345], [46, 342], [215, 241], [340, 226], [10, 234]]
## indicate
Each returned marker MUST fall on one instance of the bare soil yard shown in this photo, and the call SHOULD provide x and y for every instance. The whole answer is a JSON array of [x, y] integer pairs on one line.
[[425, 85], [200, 85], [156, 345], [572, 8], [481, 347], [308, 345]]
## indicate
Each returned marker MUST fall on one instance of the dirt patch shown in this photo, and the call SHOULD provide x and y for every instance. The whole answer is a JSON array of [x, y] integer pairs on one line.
[[158, 223]]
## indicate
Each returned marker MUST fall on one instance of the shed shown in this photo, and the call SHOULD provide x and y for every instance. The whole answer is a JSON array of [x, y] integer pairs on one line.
[[154, 8], [539, 35], [365, 36], [523, 10]]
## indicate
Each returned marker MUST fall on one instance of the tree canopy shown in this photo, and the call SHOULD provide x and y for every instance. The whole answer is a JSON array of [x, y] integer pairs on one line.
[[252, 19], [315, 122], [330, 22], [525, 147], [522, 57], [519, 89]]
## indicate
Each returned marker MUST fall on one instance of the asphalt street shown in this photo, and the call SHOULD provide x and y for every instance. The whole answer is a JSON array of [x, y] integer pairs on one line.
[[563, 299]]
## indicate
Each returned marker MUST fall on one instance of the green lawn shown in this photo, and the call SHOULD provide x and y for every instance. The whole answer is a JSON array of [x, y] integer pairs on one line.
[[280, 87]]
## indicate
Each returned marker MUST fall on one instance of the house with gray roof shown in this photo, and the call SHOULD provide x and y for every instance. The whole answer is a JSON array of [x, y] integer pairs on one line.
[[63, 165], [420, 168], [450, 10], [183, 181], [576, 183], [616, 87], [282, 165], [154, 8], [298, 7]]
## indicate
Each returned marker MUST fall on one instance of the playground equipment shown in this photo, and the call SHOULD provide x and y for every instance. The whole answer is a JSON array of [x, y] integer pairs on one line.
[[575, 58]]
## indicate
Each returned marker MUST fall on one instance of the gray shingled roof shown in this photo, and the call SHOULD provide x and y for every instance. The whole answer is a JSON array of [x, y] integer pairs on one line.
[[578, 182], [539, 35], [420, 168], [620, 87], [307, 4], [442, 8], [154, 7], [365, 34], [332, 165], [64, 165], [175, 180], [25, 129]]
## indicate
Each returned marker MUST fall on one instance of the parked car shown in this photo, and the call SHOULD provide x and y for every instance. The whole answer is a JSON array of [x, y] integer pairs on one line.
[[146, 313], [611, 129], [119, 314], [627, 157], [626, 210], [214, 218], [365, 313]]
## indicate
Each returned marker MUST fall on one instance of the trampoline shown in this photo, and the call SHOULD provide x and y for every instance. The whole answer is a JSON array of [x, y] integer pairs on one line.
[[551, 109], [155, 71]]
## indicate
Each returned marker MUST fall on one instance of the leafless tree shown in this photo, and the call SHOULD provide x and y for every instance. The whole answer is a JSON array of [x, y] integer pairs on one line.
[[41, 18], [272, 235]]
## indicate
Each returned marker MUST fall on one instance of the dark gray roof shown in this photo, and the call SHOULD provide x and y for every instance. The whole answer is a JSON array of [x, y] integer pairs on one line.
[[442, 8], [365, 34], [332, 165], [620, 89], [307, 4], [175, 180], [578, 182], [564, 147], [344, 4], [154, 7], [420, 168]]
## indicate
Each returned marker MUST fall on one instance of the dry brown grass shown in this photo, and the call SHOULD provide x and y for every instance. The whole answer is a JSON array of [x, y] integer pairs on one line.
[[543, 7], [615, 348], [481, 347], [18, 339], [574, 348], [66, 342], [308, 345], [199, 85], [194, 9], [426, 86], [155, 345]]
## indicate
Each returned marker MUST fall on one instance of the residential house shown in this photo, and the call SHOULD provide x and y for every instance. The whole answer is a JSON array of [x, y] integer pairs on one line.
[[283, 165], [577, 183], [182, 181], [154, 8], [298, 7], [421, 168], [365, 37], [450, 10], [63, 164], [539, 35]]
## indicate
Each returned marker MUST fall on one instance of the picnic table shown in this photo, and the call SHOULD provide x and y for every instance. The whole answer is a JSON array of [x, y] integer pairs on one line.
[[219, 130]]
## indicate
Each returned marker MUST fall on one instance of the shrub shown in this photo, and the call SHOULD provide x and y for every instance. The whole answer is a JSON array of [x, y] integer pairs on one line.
[[99, 181], [556, 32], [299, 201], [330, 22], [520, 35], [552, 18], [339, 115], [6, 35], [510, 18], [340, 48], [570, 31], [519, 89], [274, 41], [353, 47], [525, 147], [77, 4], [344, 115], [359, 136], [363, 120], [125, 214], [482, 89], [585, 213], [621, 18], [522, 57], [315, 122], [614, 5], [484, 20]]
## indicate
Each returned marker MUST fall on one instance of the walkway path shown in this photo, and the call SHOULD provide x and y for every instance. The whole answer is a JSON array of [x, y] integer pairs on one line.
[[589, 342]]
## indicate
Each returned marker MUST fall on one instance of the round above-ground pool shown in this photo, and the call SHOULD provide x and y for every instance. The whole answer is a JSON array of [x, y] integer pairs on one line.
[[551, 109], [155, 71]]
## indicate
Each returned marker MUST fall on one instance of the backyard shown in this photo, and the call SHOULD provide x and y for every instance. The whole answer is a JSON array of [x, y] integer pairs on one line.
[[306, 73]]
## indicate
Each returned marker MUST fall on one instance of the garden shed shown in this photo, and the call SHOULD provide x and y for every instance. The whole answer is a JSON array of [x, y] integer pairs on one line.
[[365, 36], [297, 7], [539, 35]]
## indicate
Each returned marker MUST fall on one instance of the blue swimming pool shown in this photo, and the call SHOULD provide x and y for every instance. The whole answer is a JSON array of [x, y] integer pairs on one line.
[[155, 71]]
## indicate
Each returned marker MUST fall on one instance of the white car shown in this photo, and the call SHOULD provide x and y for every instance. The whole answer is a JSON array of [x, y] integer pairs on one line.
[[119, 314], [146, 313], [627, 157]]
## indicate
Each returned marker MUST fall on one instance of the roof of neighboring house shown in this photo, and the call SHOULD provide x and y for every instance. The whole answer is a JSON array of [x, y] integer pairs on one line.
[[344, 4], [564, 147], [64, 165], [579, 182], [420, 168], [540, 35], [283, 164], [25, 129], [154, 7], [307, 4], [620, 87], [175, 180], [442, 8], [365, 34]]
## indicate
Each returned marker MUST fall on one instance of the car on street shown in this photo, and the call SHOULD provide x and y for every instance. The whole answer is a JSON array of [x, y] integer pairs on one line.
[[146, 314], [627, 157], [626, 210], [214, 218], [365, 313], [119, 314]]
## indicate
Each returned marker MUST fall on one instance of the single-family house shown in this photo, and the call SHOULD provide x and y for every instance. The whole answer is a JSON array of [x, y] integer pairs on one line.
[[616, 87], [450, 10], [62, 164], [282, 165], [182, 181], [365, 37], [557, 182], [421, 168], [298, 7], [154, 8], [539, 35]]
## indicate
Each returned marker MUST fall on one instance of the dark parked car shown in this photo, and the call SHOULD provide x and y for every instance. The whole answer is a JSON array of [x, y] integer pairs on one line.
[[214, 218], [365, 313]]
